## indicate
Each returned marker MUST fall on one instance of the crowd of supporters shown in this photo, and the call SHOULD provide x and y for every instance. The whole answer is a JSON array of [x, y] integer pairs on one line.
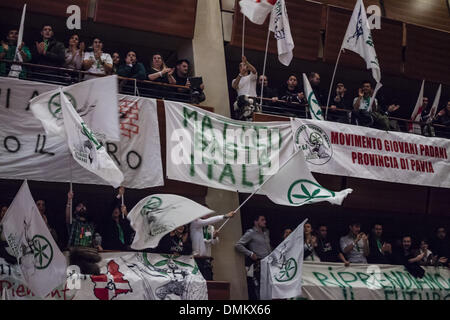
[[353, 247], [78, 56], [360, 108]]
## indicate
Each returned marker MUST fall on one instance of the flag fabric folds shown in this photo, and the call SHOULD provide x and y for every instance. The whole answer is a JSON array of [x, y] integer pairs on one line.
[[358, 38], [256, 10], [94, 100], [415, 116], [435, 104], [281, 271], [86, 148], [279, 25], [15, 68], [158, 214], [314, 107], [294, 185], [42, 264]]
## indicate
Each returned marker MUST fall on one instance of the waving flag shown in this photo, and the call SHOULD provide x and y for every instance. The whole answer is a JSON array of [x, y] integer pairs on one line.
[[435, 104], [281, 271], [42, 264], [15, 68], [279, 25], [358, 38], [158, 214], [314, 107], [294, 185], [415, 116], [94, 100], [256, 10], [85, 147]]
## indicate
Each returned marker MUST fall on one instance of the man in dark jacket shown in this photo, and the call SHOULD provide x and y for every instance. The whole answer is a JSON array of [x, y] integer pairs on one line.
[[132, 68], [379, 250], [49, 51]]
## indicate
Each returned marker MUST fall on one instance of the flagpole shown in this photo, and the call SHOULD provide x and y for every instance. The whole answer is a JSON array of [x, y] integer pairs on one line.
[[331, 85], [123, 201], [243, 34], [254, 192], [71, 189], [264, 67]]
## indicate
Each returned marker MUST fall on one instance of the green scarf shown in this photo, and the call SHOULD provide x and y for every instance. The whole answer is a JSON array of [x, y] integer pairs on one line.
[[121, 236]]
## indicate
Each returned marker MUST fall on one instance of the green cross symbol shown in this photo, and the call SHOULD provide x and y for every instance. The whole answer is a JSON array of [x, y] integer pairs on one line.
[[54, 104], [315, 138], [288, 271], [43, 252]]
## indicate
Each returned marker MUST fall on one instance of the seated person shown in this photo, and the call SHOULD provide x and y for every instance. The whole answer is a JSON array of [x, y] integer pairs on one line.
[[8, 52], [159, 72], [96, 61], [181, 76], [342, 101], [132, 68]]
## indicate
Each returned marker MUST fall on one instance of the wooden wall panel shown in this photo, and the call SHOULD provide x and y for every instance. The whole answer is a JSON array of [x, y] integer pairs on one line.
[[388, 42], [428, 13], [49, 7], [349, 4], [304, 21], [174, 17], [427, 54]]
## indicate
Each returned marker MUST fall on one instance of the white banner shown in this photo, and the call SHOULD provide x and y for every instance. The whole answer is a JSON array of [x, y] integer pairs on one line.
[[211, 150], [26, 152], [354, 151], [123, 276], [334, 281]]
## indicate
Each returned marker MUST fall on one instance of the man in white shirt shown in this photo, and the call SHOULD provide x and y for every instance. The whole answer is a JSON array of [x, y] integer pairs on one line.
[[96, 61], [202, 237], [245, 82]]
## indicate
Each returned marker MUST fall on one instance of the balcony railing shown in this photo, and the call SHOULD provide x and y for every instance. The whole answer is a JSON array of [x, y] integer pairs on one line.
[[65, 76]]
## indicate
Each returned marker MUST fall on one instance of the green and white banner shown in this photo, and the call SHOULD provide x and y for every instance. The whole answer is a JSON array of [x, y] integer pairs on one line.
[[27, 152], [123, 276], [158, 214], [355, 151], [211, 150], [334, 281]]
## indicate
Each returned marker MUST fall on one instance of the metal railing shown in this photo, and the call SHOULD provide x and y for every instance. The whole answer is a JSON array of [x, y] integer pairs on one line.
[[299, 110], [64, 76]]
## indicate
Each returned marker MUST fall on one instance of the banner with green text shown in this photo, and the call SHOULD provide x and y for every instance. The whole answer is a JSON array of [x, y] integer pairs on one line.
[[334, 281], [215, 151]]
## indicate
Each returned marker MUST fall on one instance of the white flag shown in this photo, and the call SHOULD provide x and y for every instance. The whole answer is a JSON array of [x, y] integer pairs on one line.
[[281, 271], [279, 25], [435, 104], [294, 185], [85, 147], [256, 10], [15, 68], [42, 264], [95, 101], [358, 38], [314, 107], [158, 214], [415, 116]]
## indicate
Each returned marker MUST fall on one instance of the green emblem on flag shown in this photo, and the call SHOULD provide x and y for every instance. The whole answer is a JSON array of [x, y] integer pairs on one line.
[[314, 101], [42, 251], [54, 104], [151, 205], [287, 271], [302, 191]]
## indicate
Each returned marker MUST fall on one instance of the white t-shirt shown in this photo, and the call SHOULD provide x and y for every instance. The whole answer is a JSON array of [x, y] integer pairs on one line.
[[365, 103], [247, 85], [197, 238], [97, 68]]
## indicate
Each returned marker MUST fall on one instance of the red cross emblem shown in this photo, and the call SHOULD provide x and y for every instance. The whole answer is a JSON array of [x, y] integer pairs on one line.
[[110, 285]]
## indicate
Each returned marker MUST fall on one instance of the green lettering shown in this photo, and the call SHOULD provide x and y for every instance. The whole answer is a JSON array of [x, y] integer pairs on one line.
[[347, 281], [323, 279], [395, 283], [192, 167], [446, 286], [187, 115], [244, 177], [227, 172], [210, 171], [387, 293]]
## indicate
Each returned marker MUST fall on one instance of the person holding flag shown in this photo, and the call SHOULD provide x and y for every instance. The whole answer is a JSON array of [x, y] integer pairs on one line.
[[8, 52]]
